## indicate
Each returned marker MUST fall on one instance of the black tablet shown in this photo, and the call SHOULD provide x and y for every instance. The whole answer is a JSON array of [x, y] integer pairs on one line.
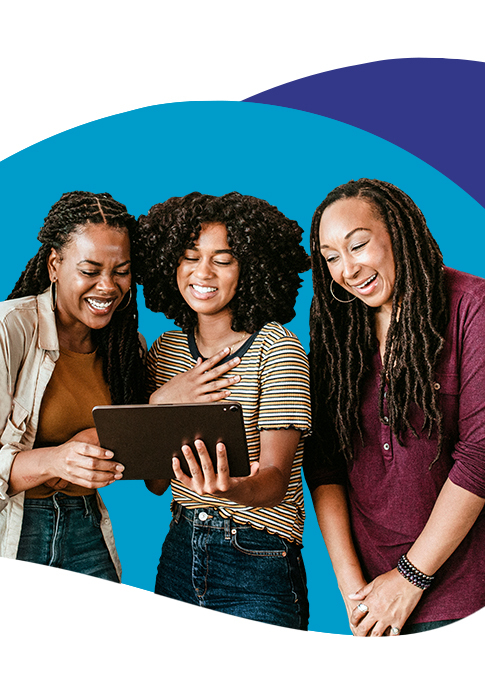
[[144, 438]]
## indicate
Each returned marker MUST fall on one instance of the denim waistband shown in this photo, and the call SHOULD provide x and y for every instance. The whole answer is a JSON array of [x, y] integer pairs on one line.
[[59, 499], [208, 517], [211, 518]]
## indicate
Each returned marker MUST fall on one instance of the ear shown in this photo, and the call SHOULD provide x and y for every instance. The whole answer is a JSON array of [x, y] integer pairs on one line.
[[53, 261]]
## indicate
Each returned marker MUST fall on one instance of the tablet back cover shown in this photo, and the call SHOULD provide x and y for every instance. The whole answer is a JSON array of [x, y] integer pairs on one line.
[[144, 438]]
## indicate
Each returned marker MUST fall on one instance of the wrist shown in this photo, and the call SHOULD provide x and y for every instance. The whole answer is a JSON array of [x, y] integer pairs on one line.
[[350, 580], [30, 468], [412, 574]]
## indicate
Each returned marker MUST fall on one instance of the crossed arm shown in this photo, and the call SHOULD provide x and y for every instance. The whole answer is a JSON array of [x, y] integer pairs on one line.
[[390, 598]]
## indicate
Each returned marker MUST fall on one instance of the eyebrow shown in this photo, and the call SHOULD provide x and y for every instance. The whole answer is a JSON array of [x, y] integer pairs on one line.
[[96, 263], [349, 234], [217, 251]]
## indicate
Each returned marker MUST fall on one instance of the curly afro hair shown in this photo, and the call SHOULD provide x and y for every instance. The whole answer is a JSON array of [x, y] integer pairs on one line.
[[266, 244]]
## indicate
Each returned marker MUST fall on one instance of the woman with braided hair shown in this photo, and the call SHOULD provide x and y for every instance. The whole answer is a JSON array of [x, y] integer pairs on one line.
[[68, 341], [396, 463]]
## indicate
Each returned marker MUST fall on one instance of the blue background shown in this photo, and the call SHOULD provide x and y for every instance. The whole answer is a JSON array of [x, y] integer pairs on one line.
[[290, 158]]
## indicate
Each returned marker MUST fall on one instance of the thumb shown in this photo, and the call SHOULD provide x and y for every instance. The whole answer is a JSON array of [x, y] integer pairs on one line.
[[254, 469]]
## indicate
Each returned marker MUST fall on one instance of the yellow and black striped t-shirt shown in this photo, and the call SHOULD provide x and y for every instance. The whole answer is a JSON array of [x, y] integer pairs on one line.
[[274, 394]]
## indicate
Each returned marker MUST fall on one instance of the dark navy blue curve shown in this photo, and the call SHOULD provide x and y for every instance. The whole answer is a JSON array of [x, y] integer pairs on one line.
[[432, 107]]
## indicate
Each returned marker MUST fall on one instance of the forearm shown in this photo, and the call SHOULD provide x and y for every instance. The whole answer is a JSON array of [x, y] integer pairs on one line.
[[264, 490], [330, 503], [453, 515], [30, 468]]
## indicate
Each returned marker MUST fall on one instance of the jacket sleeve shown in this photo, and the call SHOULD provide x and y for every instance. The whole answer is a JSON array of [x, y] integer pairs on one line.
[[12, 417]]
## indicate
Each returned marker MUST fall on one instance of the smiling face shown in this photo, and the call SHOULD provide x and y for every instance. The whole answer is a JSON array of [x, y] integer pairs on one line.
[[92, 274], [208, 273], [357, 247]]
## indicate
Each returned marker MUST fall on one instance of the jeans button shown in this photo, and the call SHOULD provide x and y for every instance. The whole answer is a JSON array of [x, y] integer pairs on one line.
[[203, 516]]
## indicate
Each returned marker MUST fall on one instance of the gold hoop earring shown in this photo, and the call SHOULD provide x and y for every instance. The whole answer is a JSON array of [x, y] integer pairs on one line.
[[343, 301], [129, 300], [53, 293]]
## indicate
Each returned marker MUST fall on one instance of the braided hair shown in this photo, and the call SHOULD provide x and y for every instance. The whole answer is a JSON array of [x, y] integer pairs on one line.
[[263, 240], [118, 343], [342, 336]]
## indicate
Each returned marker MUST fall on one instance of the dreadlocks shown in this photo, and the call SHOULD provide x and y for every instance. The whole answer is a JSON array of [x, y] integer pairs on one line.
[[342, 336], [118, 342]]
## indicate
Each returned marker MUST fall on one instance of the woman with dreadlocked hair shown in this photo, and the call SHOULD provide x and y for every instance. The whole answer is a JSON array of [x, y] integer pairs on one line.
[[68, 341], [227, 270], [396, 464]]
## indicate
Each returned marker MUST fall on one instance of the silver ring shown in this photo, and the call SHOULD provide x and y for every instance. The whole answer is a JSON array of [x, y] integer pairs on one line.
[[363, 607], [395, 631]]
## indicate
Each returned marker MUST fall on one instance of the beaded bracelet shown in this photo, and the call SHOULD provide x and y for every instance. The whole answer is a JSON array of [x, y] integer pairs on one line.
[[412, 574]]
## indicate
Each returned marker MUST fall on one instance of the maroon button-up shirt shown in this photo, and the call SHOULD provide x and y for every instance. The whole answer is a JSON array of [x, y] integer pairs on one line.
[[391, 489]]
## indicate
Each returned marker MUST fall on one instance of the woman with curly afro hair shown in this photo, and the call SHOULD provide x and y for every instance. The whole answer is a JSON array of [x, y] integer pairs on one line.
[[226, 269]]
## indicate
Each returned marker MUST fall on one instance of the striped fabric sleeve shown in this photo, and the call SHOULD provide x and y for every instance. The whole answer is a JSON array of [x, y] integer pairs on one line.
[[285, 387]]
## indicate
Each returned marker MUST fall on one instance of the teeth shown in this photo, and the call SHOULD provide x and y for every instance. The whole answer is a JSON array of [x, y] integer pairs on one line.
[[202, 288], [369, 280], [97, 304]]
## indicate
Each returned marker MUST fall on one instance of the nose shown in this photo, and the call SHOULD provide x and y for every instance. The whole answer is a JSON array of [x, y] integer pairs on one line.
[[350, 267], [203, 269], [107, 284]]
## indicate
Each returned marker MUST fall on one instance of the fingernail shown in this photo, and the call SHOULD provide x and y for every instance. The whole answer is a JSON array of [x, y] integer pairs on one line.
[[119, 468], [108, 453]]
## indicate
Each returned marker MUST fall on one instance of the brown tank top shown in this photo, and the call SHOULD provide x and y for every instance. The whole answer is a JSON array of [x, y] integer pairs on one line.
[[77, 384]]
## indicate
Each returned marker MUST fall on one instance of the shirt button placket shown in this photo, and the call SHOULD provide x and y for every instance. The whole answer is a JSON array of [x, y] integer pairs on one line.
[[386, 439]]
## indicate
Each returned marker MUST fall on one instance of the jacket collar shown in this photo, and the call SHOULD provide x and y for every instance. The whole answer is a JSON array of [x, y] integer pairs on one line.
[[48, 339]]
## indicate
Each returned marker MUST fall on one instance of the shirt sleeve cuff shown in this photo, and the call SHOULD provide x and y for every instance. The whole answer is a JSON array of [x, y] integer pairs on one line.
[[468, 472], [7, 456]]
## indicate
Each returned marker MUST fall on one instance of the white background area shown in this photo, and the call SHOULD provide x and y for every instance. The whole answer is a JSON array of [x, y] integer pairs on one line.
[[65, 64]]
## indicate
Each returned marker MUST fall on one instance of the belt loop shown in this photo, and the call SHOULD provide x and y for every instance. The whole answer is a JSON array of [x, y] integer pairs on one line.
[[227, 530], [86, 507], [177, 512]]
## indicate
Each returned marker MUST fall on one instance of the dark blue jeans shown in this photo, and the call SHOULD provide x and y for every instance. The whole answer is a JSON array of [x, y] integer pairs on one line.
[[64, 532], [214, 562]]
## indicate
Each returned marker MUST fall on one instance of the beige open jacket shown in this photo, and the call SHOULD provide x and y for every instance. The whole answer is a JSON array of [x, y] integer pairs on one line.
[[29, 349]]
